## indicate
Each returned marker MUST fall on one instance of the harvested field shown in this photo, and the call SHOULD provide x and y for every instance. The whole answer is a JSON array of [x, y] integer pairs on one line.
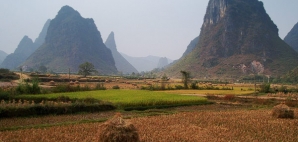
[[196, 125]]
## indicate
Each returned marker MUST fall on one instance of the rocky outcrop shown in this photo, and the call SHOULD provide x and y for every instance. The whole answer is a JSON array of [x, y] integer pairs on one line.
[[70, 41], [121, 63], [237, 33], [292, 38]]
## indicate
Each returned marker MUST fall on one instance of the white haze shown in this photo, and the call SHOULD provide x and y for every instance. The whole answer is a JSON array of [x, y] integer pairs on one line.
[[142, 27]]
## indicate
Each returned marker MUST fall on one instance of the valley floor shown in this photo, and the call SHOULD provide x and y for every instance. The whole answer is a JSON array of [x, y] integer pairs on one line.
[[216, 122]]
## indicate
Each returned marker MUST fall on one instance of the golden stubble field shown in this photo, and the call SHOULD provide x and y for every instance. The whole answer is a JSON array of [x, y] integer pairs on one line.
[[187, 125]]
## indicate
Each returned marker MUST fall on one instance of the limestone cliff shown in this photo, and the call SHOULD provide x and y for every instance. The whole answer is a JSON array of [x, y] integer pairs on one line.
[[237, 36], [121, 63], [70, 41]]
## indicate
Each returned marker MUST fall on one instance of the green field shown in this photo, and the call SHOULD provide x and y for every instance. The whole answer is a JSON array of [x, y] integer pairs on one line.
[[130, 98]]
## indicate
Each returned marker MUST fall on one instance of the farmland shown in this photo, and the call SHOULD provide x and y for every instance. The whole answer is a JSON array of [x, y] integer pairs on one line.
[[163, 115], [130, 98], [195, 123], [236, 91]]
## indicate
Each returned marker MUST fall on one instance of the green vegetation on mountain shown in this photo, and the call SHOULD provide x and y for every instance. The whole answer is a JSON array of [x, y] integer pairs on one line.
[[237, 38], [121, 63], [289, 77], [292, 38], [70, 41]]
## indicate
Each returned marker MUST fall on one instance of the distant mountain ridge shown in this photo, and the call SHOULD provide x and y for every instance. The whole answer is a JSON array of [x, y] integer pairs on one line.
[[292, 37], [163, 61], [121, 63], [237, 38], [2, 56], [25, 48], [144, 63], [70, 41]]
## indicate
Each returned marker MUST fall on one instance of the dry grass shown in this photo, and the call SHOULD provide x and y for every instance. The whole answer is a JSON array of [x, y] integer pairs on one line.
[[211, 125], [217, 92]]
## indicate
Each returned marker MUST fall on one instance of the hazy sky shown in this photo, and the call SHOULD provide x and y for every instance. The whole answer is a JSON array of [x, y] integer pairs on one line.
[[141, 27]]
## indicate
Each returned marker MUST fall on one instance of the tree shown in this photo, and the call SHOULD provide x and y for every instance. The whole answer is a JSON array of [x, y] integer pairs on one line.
[[86, 69], [164, 78], [185, 78]]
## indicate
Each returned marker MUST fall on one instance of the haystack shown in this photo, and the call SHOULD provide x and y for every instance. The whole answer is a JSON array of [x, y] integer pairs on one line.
[[118, 130], [282, 111], [71, 83], [52, 82]]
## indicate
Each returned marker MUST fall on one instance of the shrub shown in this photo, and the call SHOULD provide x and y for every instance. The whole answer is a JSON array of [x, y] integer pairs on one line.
[[116, 87], [229, 97], [85, 88], [89, 100], [64, 88], [282, 111], [227, 88], [4, 95], [179, 87], [265, 88], [25, 108], [169, 87], [212, 96], [116, 130], [250, 89], [151, 87], [282, 89], [69, 88], [29, 89], [194, 85], [100, 86], [63, 99]]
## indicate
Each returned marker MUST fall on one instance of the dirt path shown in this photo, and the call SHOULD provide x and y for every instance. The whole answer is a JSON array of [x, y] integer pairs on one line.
[[22, 76], [241, 96]]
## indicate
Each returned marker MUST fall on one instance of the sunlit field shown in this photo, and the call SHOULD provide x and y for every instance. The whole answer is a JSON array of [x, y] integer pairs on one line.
[[128, 98]]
